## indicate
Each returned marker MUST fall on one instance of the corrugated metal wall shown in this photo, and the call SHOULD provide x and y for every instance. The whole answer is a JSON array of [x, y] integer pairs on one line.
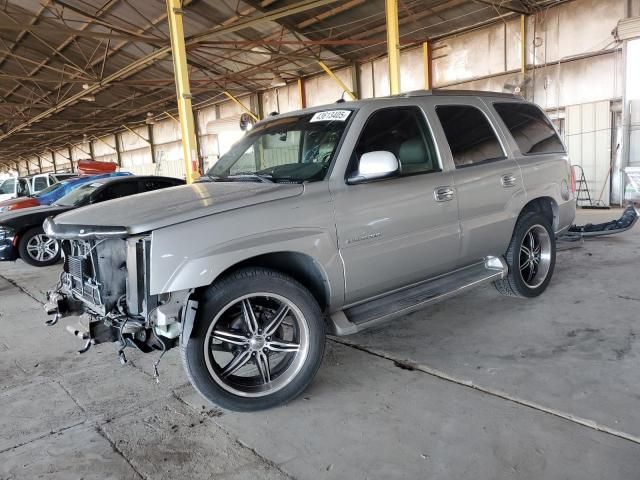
[[588, 139]]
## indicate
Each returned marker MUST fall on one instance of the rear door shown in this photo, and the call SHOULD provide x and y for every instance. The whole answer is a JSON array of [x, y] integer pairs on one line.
[[396, 231], [487, 179]]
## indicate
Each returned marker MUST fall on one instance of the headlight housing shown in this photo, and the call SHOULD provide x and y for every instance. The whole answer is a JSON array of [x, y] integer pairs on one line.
[[6, 232]]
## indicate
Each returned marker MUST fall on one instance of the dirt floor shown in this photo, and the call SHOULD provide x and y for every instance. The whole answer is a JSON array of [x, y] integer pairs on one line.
[[480, 386]]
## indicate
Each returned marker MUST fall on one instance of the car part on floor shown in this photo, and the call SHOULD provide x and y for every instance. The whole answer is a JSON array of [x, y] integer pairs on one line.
[[626, 221]]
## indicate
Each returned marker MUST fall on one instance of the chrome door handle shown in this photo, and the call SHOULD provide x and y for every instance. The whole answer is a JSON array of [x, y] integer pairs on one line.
[[443, 194], [508, 180]]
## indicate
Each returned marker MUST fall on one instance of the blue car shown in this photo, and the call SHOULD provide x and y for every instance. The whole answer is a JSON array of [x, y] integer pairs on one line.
[[54, 192]]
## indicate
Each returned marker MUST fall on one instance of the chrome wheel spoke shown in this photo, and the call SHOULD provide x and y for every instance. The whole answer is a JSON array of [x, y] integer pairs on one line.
[[275, 323], [282, 346], [535, 255], [238, 362], [230, 337], [262, 362], [249, 316], [257, 344]]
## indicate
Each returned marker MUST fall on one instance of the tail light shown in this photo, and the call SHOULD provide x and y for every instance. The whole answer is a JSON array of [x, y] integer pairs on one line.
[[573, 179]]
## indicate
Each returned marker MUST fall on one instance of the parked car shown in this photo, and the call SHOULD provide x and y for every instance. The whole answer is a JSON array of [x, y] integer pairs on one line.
[[21, 233], [335, 218], [41, 181], [54, 192], [13, 188]]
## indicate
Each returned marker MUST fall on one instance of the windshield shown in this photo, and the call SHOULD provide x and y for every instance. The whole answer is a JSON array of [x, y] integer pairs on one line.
[[79, 195], [8, 186], [289, 150], [50, 189]]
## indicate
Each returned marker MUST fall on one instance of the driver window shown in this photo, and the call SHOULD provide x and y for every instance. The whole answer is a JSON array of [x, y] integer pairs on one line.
[[402, 131]]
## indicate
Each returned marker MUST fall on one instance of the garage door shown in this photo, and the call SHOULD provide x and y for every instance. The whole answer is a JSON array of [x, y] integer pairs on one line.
[[588, 139]]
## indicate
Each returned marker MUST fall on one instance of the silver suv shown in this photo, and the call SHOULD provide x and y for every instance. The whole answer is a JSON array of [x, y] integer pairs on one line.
[[327, 220]]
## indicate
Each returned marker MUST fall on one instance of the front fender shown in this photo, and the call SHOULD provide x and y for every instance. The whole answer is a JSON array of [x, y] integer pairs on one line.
[[196, 261]]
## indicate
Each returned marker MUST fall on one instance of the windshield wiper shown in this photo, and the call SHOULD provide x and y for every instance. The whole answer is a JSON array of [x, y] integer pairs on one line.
[[208, 178], [261, 177]]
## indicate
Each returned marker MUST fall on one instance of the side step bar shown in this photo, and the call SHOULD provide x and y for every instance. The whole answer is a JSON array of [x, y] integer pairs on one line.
[[416, 297]]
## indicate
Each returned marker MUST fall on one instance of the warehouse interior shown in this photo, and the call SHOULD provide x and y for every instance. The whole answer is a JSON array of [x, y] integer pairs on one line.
[[473, 387]]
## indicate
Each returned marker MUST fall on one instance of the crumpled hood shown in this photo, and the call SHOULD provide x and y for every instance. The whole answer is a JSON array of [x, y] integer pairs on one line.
[[161, 208]]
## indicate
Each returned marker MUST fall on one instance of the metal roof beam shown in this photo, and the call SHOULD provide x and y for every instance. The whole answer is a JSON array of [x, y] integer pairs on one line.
[[148, 59]]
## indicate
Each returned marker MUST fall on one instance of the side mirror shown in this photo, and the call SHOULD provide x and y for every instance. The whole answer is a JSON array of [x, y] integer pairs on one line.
[[375, 166]]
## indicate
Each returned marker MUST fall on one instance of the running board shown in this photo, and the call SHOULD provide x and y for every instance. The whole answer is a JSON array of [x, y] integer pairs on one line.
[[416, 297]]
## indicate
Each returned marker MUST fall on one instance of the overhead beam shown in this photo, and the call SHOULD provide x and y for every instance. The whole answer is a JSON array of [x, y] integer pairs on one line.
[[80, 33], [505, 6], [241, 105], [340, 83], [142, 62]]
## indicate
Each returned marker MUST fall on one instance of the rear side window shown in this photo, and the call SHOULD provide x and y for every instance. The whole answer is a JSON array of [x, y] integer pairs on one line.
[[470, 135], [118, 190], [156, 184], [530, 128], [402, 131]]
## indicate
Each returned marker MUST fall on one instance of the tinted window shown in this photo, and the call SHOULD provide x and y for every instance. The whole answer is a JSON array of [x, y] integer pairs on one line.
[[155, 184], [470, 135], [530, 128], [117, 190], [40, 183], [402, 131]]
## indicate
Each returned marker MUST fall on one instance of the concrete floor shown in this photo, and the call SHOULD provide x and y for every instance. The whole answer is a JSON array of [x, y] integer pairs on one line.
[[480, 387]]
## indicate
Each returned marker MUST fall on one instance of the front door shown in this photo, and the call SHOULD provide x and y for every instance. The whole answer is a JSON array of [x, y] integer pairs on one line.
[[401, 230]]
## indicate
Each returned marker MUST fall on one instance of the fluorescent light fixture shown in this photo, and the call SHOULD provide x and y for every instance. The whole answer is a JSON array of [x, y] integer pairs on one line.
[[278, 81]]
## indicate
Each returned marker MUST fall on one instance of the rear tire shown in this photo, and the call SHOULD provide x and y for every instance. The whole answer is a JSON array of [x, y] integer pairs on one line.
[[257, 342], [531, 257], [38, 249]]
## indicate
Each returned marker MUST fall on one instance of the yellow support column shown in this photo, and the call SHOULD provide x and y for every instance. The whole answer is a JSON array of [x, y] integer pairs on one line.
[[426, 54], [393, 45], [183, 92]]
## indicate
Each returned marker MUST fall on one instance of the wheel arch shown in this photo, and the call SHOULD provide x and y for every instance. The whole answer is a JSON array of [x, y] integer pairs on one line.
[[300, 266], [547, 206]]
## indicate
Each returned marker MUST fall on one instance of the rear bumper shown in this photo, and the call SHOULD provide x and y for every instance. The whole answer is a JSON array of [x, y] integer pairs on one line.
[[566, 216], [7, 251]]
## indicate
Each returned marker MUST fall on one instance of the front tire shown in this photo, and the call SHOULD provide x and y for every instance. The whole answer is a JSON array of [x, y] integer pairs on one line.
[[38, 249], [531, 257], [257, 342]]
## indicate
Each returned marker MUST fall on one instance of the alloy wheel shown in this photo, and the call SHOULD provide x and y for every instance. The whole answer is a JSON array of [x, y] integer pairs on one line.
[[42, 248], [535, 256], [257, 344]]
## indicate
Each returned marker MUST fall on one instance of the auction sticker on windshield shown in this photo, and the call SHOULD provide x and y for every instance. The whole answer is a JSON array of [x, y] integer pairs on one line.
[[331, 116]]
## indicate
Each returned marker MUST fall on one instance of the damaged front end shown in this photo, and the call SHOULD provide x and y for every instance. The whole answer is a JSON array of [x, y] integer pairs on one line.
[[106, 278]]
